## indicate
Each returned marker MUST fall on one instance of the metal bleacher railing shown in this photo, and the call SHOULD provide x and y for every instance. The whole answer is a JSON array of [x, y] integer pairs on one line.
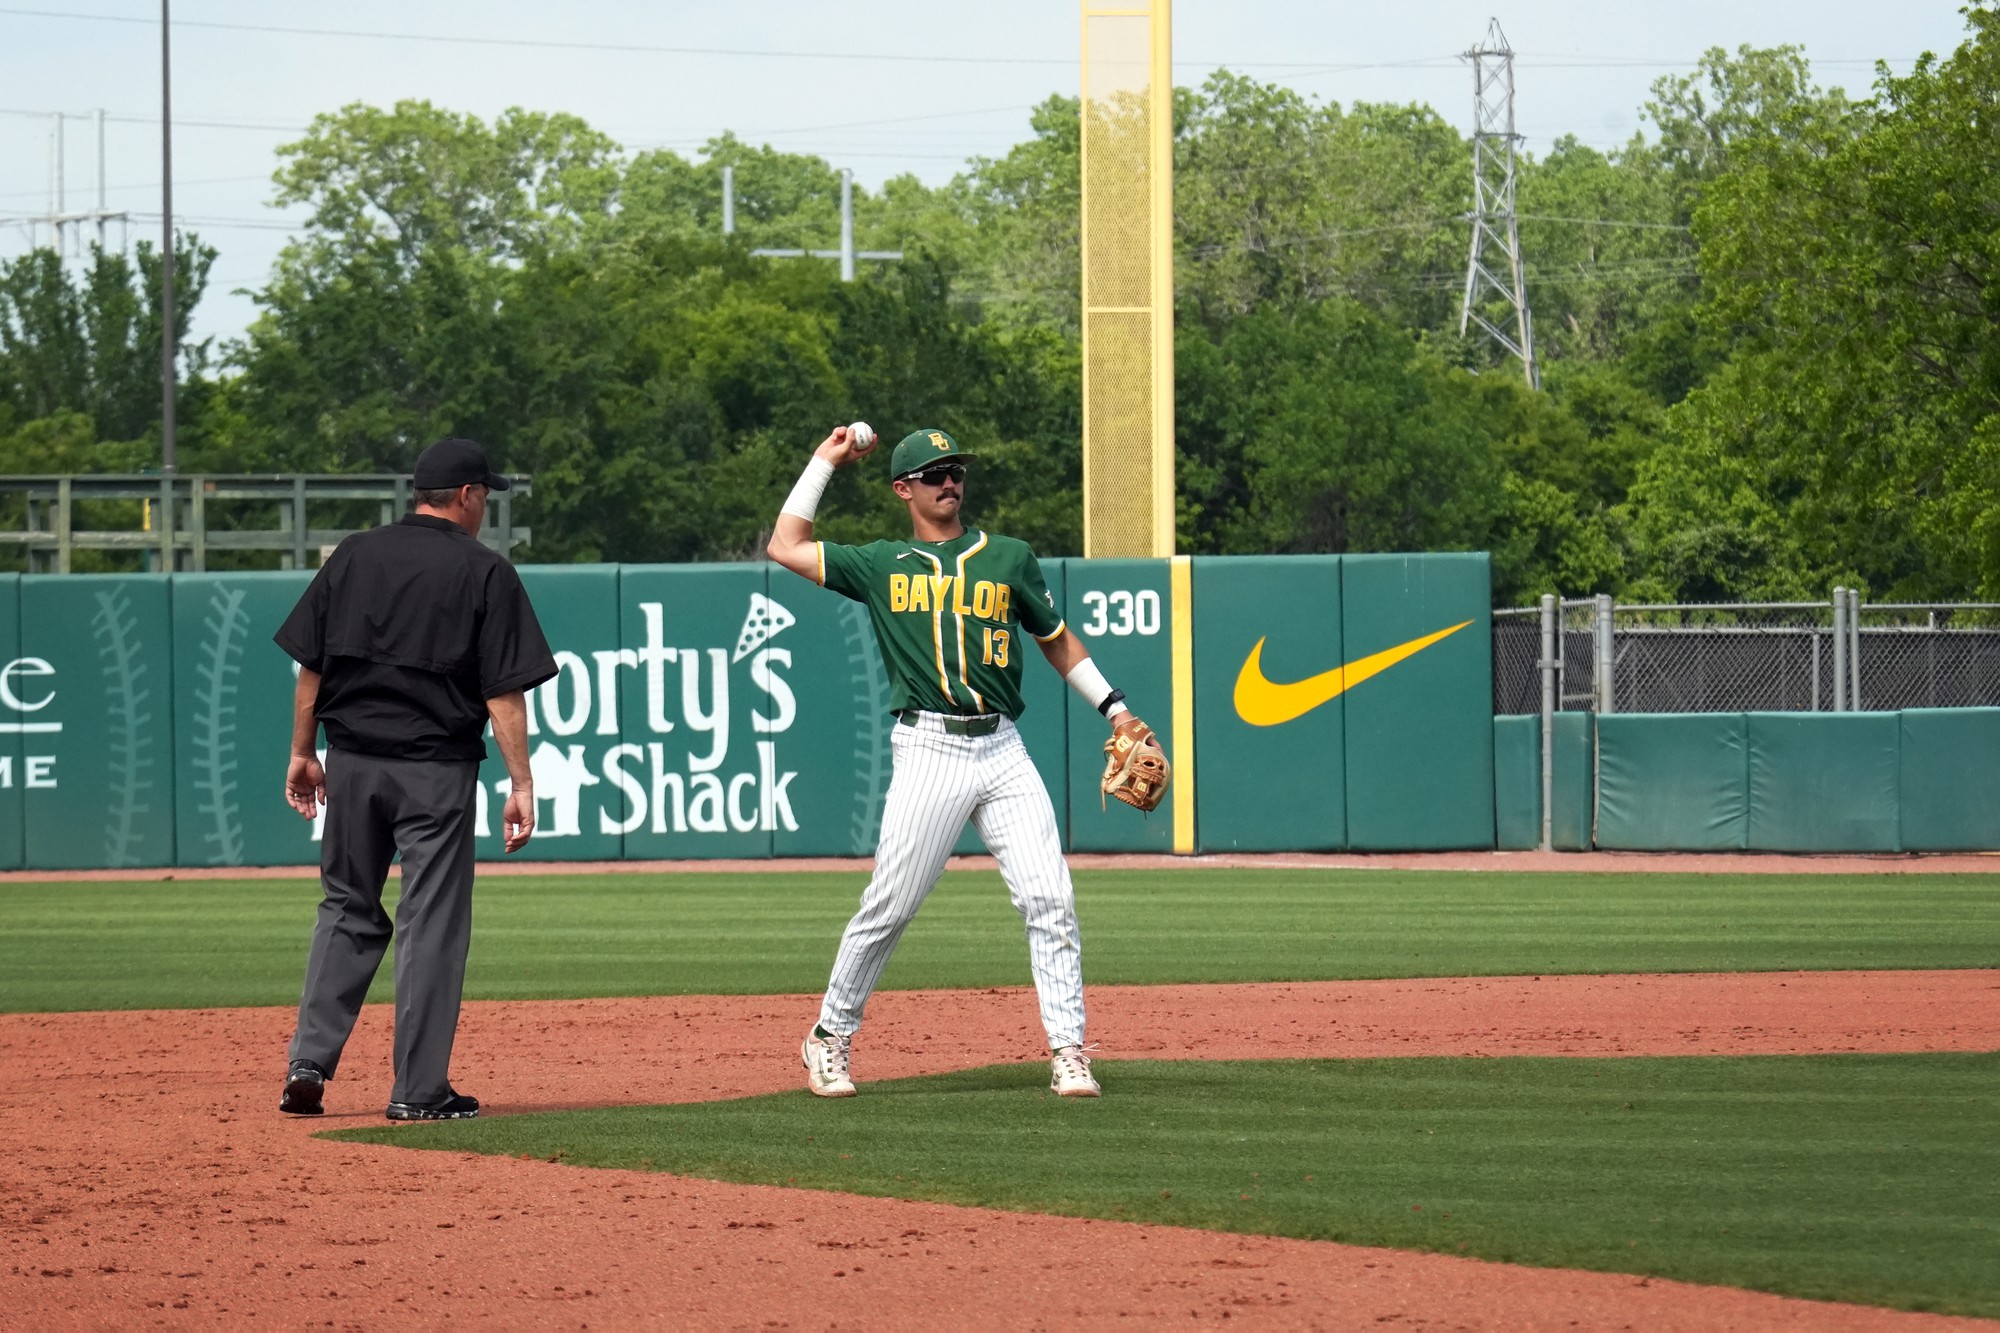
[[176, 522]]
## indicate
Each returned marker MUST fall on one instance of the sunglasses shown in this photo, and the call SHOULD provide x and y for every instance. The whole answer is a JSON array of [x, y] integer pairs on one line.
[[939, 475]]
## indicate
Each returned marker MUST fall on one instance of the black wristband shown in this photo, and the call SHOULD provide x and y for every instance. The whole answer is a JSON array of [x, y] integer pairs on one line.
[[1117, 696]]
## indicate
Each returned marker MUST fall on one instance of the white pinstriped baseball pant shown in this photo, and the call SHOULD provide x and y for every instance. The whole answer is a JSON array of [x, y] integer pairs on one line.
[[940, 781]]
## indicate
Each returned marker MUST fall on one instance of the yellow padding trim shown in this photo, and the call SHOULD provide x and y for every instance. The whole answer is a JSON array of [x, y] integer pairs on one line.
[[1180, 584]]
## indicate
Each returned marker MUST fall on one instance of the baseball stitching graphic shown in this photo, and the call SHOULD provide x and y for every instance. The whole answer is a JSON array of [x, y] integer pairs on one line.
[[871, 705], [118, 649], [214, 737]]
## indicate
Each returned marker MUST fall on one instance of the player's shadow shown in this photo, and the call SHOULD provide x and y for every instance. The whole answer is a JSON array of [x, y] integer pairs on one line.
[[1011, 1077], [1019, 1076]]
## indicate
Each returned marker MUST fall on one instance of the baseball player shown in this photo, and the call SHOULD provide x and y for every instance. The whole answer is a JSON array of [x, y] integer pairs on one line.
[[950, 607]]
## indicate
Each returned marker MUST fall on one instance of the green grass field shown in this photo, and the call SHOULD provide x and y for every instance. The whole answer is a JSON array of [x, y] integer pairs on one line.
[[195, 943], [1851, 1178]]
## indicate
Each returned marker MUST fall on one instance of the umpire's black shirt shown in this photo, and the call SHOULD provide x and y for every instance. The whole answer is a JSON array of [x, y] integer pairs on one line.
[[412, 628]]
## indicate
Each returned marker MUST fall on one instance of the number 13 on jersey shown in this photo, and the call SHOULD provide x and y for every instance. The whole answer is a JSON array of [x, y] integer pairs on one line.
[[997, 643]]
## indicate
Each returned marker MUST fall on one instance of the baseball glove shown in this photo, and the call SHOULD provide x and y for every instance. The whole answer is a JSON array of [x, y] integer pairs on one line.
[[1135, 766]]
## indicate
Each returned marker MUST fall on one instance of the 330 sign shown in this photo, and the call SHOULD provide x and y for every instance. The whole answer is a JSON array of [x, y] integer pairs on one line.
[[1121, 613]]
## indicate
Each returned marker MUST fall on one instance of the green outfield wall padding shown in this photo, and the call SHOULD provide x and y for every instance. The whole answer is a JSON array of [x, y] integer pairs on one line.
[[1419, 753], [1286, 610], [232, 722], [836, 721], [20, 705], [1824, 782], [98, 758], [1672, 782], [586, 782], [693, 748], [1121, 611], [736, 710], [1573, 781], [1517, 782], [1950, 779]]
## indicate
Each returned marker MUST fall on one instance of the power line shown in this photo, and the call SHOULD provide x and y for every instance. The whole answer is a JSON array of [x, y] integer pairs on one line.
[[894, 120], [1215, 248], [1604, 222], [694, 141], [1431, 224], [1309, 67], [1579, 62], [154, 185], [1554, 61], [178, 122], [623, 48], [1207, 251], [185, 222], [643, 144], [1606, 275]]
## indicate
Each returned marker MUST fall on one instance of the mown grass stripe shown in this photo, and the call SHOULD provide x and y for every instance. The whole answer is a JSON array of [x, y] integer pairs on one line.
[[197, 943], [1848, 1178]]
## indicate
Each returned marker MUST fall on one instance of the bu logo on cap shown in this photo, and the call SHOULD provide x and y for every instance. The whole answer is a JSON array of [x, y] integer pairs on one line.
[[938, 439]]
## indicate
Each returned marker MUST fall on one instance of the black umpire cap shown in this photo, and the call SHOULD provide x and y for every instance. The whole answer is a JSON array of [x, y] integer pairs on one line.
[[452, 463]]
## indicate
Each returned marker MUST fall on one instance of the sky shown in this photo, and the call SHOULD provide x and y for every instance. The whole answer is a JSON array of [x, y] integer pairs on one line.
[[882, 86]]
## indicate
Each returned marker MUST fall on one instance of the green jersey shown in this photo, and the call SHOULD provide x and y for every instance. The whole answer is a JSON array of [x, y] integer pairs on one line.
[[948, 616]]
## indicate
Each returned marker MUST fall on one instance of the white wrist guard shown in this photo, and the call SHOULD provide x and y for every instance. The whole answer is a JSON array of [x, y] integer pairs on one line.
[[803, 502], [1094, 689]]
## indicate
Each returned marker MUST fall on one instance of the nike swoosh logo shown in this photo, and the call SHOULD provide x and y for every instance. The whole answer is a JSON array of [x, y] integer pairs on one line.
[[1266, 703]]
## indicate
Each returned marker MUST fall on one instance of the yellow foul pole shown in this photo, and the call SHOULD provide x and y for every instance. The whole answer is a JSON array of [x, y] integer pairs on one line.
[[1128, 278]]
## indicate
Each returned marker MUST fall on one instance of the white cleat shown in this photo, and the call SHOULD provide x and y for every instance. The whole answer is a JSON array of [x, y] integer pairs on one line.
[[1070, 1074], [826, 1065]]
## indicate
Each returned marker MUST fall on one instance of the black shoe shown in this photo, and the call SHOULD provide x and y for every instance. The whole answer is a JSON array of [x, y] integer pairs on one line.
[[455, 1107], [305, 1085]]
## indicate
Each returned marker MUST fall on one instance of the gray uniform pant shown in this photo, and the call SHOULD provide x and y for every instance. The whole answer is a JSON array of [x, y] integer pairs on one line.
[[376, 807]]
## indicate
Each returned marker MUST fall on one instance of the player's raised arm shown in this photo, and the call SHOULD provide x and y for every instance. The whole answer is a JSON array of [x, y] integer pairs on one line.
[[791, 543]]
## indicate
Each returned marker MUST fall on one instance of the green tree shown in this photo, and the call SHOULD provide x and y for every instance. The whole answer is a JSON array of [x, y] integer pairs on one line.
[[1853, 275], [88, 343], [1024, 215], [1757, 105], [1612, 264], [380, 329], [415, 177], [1326, 429], [1281, 200], [659, 382], [782, 201]]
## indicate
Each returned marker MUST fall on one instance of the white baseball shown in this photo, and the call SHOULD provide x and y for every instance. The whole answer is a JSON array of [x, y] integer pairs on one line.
[[862, 435]]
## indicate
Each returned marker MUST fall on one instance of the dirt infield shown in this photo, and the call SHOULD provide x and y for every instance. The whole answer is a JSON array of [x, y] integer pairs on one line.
[[155, 1183]]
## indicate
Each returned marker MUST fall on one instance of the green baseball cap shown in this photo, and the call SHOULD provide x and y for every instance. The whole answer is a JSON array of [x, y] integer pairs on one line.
[[920, 448]]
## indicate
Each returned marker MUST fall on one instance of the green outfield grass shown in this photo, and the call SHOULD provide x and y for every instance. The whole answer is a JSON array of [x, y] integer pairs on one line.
[[1850, 1178], [194, 943]]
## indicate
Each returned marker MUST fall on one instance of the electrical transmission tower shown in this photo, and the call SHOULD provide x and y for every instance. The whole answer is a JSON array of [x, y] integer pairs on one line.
[[1494, 268], [60, 219]]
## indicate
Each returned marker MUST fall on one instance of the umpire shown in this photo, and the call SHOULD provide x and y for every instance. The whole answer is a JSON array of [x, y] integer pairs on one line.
[[409, 638]]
